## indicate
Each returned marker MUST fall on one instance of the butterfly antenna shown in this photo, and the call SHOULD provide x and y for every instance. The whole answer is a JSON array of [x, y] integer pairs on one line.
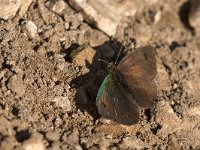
[[104, 61], [118, 55]]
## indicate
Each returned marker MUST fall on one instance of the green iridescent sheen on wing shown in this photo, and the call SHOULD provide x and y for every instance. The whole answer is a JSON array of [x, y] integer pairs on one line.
[[113, 102], [106, 83]]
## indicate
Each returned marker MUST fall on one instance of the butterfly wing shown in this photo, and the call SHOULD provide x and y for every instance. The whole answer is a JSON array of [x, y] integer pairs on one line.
[[138, 70], [113, 103]]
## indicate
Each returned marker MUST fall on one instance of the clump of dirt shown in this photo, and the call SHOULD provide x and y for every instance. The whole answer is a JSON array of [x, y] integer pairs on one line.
[[47, 97]]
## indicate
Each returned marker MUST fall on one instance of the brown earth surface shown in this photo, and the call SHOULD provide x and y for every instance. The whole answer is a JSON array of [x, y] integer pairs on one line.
[[47, 95]]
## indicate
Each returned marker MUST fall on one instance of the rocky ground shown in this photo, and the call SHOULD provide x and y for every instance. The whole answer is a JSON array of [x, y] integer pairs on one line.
[[50, 73]]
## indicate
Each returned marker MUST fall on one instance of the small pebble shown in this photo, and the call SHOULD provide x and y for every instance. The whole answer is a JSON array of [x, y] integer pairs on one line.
[[166, 117], [31, 29], [24, 7], [52, 136], [85, 57], [9, 8], [67, 25], [34, 143], [97, 38], [62, 102], [16, 85], [57, 7]]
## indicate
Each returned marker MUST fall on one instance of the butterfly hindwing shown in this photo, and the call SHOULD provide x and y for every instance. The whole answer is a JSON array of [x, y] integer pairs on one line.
[[114, 103], [138, 70]]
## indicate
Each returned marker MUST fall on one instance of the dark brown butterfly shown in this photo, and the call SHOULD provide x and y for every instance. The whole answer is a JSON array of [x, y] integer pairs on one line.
[[129, 86]]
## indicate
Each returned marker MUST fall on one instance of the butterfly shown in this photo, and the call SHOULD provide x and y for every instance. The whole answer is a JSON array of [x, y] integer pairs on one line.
[[128, 86]]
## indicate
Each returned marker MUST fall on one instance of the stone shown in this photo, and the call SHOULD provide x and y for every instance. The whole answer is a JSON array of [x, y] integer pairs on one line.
[[8, 143], [31, 29], [53, 136], [62, 102], [165, 116], [16, 85], [74, 137], [9, 8], [166, 17], [74, 20], [41, 50], [194, 110], [71, 139], [194, 15], [5, 126], [97, 38], [24, 7], [106, 15], [34, 143], [57, 6], [85, 57], [132, 143], [67, 25]]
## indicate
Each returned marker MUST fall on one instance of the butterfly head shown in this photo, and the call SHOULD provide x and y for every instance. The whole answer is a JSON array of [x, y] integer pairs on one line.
[[111, 68], [115, 73]]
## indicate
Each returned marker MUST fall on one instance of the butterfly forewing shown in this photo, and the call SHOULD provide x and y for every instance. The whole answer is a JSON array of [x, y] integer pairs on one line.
[[113, 102], [138, 70]]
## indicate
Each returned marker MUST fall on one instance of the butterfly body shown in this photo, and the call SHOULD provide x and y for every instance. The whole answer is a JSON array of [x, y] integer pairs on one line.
[[129, 86]]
